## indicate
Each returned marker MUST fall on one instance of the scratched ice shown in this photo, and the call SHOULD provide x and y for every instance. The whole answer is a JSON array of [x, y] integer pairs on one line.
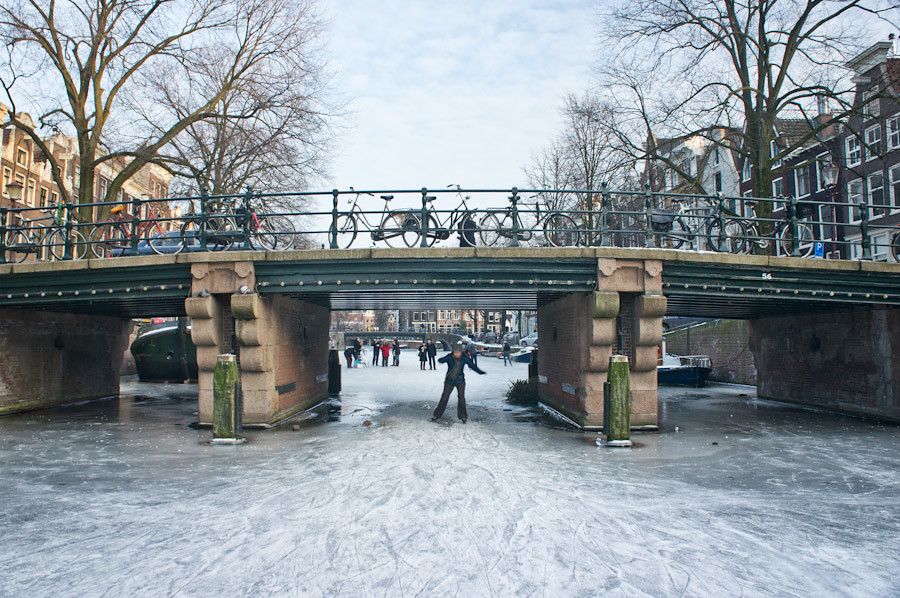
[[747, 498]]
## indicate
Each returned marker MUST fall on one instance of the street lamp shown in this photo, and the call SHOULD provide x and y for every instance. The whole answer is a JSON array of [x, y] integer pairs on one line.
[[14, 188], [829, 173]]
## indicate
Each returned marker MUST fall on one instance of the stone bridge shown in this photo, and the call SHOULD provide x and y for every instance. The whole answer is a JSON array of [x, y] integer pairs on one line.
[[823, 332]]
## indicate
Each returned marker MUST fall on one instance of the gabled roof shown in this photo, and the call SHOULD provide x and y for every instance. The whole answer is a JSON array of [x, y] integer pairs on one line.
[[869, 58]]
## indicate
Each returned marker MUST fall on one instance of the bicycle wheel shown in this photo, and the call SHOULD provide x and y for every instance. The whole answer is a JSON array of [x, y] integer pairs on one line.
[[894, 249], [55, 242], [104, 240], [347, 229], [18, 245], [401, 226], [492, 227], [264, 237], [284, 229], [561, 230], [680, 235], [219, 235], [160, 243], [806, 240], [734, 238]]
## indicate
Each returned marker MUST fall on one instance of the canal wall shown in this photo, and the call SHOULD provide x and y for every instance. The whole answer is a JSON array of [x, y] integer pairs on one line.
[[726, 342], [52, 359], [846, 360]]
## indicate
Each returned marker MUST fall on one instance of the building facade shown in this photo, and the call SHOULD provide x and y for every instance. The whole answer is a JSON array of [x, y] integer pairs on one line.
[[24, 163]]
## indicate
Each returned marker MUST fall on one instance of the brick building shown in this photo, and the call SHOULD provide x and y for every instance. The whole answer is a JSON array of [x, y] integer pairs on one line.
[[22, 162], [853, 162]]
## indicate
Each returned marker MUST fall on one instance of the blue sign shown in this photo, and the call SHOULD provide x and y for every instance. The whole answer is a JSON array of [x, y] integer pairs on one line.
[[820, 249]]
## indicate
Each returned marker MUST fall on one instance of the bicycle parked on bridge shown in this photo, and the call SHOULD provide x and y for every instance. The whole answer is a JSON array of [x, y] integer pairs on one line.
[[225, 228], [394, 226], [461, 219], [108, 237], [44, 236], [743, 235], [502, 226]]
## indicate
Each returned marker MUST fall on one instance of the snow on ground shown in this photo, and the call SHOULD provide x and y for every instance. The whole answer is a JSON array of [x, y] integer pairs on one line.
[[747, 497]]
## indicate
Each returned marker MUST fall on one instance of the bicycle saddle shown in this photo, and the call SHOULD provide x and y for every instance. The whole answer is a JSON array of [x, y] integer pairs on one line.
[[387, 197], [117, 209]]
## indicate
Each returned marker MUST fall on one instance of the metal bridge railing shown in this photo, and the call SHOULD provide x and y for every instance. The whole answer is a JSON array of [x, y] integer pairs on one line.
[[452, 216]]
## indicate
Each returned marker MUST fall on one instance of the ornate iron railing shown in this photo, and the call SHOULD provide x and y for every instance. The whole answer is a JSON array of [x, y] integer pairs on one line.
[[450, 217]]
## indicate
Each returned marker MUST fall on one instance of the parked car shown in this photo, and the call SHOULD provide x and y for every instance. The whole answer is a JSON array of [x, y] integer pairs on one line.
[[530, 340]]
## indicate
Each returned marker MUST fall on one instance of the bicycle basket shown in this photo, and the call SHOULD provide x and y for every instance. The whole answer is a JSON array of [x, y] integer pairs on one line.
[[662, 221]]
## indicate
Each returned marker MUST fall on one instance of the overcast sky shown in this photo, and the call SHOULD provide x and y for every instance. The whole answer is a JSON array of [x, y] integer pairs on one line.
[[460, 92]]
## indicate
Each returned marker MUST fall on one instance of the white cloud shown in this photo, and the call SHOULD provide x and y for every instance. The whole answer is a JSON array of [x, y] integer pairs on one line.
[[459, 92]]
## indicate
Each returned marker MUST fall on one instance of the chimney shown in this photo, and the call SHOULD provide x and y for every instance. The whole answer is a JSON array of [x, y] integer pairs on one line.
[[895, 45], [822, 105]]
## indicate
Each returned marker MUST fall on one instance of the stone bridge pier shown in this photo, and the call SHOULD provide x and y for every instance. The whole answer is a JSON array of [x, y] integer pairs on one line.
[[580, 331], [281, 343]]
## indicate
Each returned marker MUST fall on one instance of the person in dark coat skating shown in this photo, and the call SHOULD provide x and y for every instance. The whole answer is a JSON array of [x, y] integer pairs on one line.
[[432, 353], [423, 356], [455, 378]]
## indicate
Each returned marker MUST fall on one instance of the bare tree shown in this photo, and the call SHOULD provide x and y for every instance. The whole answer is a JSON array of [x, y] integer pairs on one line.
[[734, 63], [113, 68], [272, 129]]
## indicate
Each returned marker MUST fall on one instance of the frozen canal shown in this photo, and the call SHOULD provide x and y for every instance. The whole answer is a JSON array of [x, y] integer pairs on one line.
[[121, 498]]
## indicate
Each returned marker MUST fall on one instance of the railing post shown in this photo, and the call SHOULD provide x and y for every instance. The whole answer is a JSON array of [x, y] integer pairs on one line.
[[67, 233], [604, 208], [720, 207], [203, 207], [248, 196], [514, 208], [333, 243], [795, 230], [135, 223], [423, 227], [864, 231], [648, 217], [2, 235]]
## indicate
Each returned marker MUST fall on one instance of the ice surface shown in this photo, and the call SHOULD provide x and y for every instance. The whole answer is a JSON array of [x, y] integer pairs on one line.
[[123, 498]]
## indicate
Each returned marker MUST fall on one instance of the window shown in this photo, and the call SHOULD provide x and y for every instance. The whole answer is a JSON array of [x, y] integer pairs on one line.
[[854, 198], [801, 180], [880, 246], [21, 180], [854, 154], [716, 158], [773, 153], [870, 107], [102, 188], [44, 196], [718, 179], [746, 170], [822, 163], [873, 142], [855, 245], [54, 198], [893, 133], [777, 187], [826, 218], [894, 174], [29, 194], [21, 157], [876, 193], [7, 175]]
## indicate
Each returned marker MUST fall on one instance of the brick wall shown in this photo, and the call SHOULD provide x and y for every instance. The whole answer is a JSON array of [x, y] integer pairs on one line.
[[52, 358], [564, 329], [847, 360], [727, 342]]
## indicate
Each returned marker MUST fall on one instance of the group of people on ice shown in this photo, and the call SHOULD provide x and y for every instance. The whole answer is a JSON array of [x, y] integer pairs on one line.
[[382, 349]]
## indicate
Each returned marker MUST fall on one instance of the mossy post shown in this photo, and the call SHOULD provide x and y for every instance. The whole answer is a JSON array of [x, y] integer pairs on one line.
[[225, 389], [619, 432]]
